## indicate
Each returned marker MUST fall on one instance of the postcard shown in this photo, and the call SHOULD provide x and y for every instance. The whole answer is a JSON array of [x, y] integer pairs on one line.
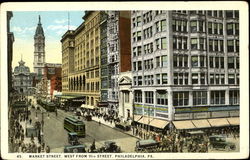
[[124, 80]]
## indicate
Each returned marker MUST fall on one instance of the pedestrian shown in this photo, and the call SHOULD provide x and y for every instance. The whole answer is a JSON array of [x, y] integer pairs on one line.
[[99, 122], [30, 120]]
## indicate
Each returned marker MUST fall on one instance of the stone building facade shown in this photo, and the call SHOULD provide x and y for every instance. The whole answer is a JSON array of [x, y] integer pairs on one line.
[[185, 65], [22, 79]]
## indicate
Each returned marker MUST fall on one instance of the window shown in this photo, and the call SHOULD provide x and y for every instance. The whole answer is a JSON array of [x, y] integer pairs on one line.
[[230, 62], [211, 79], [237, 28], [211, 62], [210, 45], [174, 25], [217, 62], [149, 97], [164, 61], [216, 45], [200, 26], [234, 97], [202, 61], [158, 79], [229, 14], [138, 35], [222, 79], [210, 27], [175, 78], [185, 61], [186, 78], [215, 28], [164, 78], [157, 43], [221, 62], [194, 43], [162, 97], [231, 79], [139, 65], [138, 20], [217, 97], [175, 61], [126, 95], [220, 26], [160, 26], [202, 43], [217, 79], [237, 46], [199, 97], [230, 28], [237, 62], [194, 61], [139, 80], [221, 45], [157, 61], [194, 78], [230, 46], [193, 26], [180, 98], [164, 43], [202, 78], [138, 96]]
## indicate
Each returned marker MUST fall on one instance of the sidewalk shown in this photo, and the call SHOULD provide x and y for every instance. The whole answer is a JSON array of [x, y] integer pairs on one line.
[[112, 125]]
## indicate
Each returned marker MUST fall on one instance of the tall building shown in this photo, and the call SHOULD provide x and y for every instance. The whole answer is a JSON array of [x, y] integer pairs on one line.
[[52, 79], [84, 78], [118, 54], [10, 41], [185, 67], [39, 50], [103, 104]]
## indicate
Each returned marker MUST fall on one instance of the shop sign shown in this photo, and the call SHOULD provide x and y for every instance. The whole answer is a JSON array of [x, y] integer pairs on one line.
[[182, 116], [161, 109], [220, 114], [182, 110], [223, 108], [200, 115], [234, 113]]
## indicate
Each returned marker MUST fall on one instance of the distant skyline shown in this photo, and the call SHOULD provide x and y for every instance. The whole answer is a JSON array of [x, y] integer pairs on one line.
[[54, 23]]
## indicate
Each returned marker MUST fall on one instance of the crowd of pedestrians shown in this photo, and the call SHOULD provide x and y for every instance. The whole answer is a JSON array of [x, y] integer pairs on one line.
[[19, 139]]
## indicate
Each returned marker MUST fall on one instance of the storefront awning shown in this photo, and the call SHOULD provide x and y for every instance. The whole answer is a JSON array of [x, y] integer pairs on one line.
[[159, 123], [137, 117], [203, 123], [71, 96], [183, 125], [218, 122], [87, 106], [145, 120], [234, 121]]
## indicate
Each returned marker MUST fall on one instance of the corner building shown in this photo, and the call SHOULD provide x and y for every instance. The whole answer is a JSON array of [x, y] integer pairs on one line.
[[185, 68]]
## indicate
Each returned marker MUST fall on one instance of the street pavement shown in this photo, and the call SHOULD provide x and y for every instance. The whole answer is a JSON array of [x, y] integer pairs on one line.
[[55, 136]]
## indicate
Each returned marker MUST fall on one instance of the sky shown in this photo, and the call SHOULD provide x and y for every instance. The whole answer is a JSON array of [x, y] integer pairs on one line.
[[54, 23]]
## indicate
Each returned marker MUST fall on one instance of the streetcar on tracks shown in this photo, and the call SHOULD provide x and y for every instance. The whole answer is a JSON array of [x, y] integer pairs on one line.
[[48, 106], [74, 125]]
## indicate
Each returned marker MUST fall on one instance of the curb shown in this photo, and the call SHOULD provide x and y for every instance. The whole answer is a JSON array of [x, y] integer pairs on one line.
[[117, 129]]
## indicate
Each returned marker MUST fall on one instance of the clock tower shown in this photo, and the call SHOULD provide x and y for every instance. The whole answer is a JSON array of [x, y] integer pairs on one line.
[[39, 50]]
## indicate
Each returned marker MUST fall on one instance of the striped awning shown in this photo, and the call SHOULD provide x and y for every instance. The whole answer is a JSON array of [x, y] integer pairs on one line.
[[184, 125], [203, 123], [159, 123], [137, 117], [234, 121], [145, 120], [218, 122]]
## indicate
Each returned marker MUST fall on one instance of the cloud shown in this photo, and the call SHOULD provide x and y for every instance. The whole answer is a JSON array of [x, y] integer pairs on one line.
[[60, 29], [60, 21], [20, 30]]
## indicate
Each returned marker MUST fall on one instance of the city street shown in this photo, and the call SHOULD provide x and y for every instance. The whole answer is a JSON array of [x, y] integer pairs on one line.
[[56, 136]]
